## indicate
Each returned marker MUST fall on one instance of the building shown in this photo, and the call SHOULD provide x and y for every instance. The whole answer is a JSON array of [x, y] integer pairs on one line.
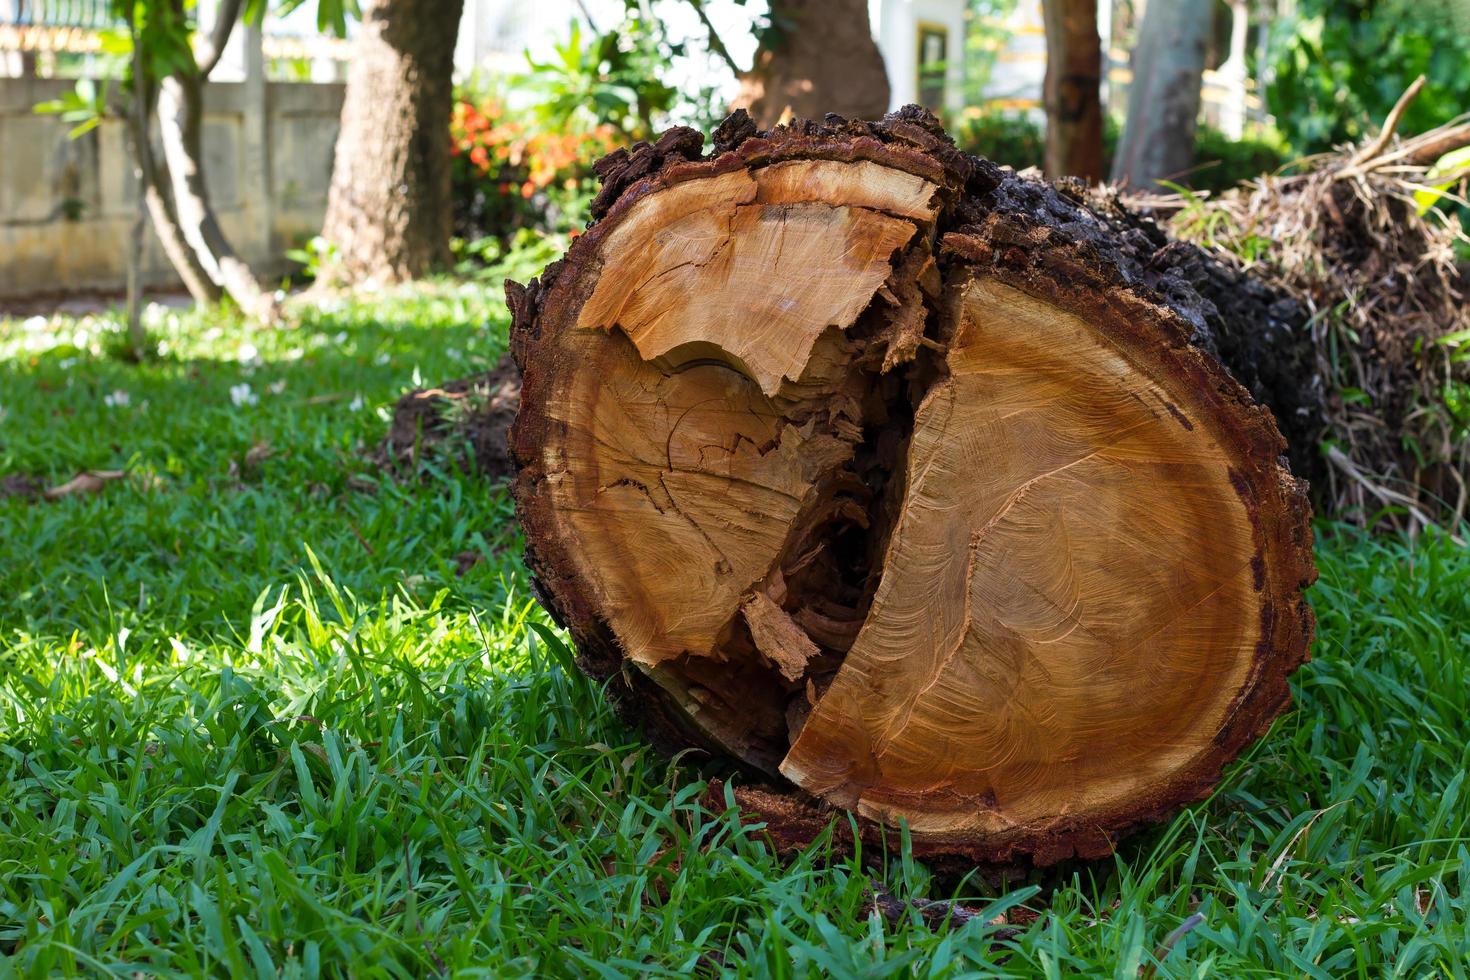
[[923, 46], [922, 41]]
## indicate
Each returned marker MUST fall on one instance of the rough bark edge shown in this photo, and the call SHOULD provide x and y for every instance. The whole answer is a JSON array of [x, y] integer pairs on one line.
[[910, 140], [1037, 237], [1280, 515]]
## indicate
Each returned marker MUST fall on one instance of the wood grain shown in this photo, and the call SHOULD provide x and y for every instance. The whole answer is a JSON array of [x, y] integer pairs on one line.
[[873, 468], [1067, 608]]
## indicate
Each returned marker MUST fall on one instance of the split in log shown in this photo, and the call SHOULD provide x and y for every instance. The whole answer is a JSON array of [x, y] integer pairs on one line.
[[886, 473]]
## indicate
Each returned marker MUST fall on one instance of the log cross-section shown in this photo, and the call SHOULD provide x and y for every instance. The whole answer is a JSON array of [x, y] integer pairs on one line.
[[880, 470]]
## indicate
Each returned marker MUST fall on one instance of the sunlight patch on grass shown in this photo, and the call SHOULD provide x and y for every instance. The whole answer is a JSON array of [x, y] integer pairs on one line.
[[256, 719]]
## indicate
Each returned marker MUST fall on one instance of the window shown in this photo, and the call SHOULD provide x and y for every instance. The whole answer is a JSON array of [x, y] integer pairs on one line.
[[933, 60]]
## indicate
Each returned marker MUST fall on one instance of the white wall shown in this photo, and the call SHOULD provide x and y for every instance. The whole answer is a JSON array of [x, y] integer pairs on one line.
[[895, 24], [67, 205]]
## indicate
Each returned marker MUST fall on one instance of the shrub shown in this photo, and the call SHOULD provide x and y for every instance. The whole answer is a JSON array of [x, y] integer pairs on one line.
[[1338, 66], [1221, 162], [509, 175], [1010, 138], [1018, 140]]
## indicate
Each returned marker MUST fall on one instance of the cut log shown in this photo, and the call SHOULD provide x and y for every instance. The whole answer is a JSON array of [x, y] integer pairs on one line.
[[887, 474]]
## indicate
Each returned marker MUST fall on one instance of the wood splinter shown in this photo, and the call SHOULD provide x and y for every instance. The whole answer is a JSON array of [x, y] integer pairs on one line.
[[882, 471]]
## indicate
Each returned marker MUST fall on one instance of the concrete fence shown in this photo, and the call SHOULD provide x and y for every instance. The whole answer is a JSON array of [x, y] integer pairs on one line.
[[66, 205]]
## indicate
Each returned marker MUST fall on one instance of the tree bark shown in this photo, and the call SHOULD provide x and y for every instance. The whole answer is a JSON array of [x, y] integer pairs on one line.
[[137, 335], [186, 210], [180, 118], [914, 486], [820, 59], [388, 212], [153, 183], [1163, 98], [1074, 120]]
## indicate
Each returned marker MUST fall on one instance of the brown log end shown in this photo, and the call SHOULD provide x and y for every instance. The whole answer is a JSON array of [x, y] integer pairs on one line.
[[877, 470]]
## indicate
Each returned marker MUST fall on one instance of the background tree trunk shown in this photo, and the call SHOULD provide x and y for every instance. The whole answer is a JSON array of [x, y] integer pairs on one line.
[[1163, 99], [821, 59], [388, 212], [1074, 120], [153, 187], [180, 120]]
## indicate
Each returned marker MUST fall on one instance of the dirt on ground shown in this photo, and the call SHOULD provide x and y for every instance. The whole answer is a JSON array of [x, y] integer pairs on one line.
[[462, 423]]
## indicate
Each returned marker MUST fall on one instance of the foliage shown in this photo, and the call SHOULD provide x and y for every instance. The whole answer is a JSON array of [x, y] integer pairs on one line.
[[986, 37], [531, 168], [1011, 138], [314, 256], [521, 257], [1222, 162], [155, 37], [331, 15], [1018, 140], [1448, 170], [510, 173], [609, 79], [1339, 65], [253, 720], [85, 106], [161, 34]]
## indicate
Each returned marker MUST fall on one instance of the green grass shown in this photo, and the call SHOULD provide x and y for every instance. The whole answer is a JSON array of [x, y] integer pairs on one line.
[[252, 722]]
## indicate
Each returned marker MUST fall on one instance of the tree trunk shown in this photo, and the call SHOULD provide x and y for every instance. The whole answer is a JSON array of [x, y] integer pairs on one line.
[[1074, 120], [137, 335], [1163, 98], [171, 236], [908, 483], [388, 213], [153, 186], [180, 118], [152, 181], [821, 58]]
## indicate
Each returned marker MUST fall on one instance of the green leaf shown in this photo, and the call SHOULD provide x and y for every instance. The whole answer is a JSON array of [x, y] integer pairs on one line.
[[114, 41], [1451, 163]]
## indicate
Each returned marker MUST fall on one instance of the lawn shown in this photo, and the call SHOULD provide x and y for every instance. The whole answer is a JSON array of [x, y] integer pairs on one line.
[[259, 716]]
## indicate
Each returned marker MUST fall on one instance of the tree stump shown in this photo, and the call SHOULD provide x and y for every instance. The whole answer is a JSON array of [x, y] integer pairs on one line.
[[910, 485]]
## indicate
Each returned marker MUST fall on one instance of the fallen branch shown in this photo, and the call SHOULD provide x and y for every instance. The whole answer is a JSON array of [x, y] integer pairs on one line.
[[1385, 135]]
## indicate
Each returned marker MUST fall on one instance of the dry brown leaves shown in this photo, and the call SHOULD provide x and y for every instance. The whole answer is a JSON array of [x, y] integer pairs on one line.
[[1344, 237], [88, 481]]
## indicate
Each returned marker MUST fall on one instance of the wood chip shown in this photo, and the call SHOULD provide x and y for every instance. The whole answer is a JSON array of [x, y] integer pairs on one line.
[[777, 636]]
